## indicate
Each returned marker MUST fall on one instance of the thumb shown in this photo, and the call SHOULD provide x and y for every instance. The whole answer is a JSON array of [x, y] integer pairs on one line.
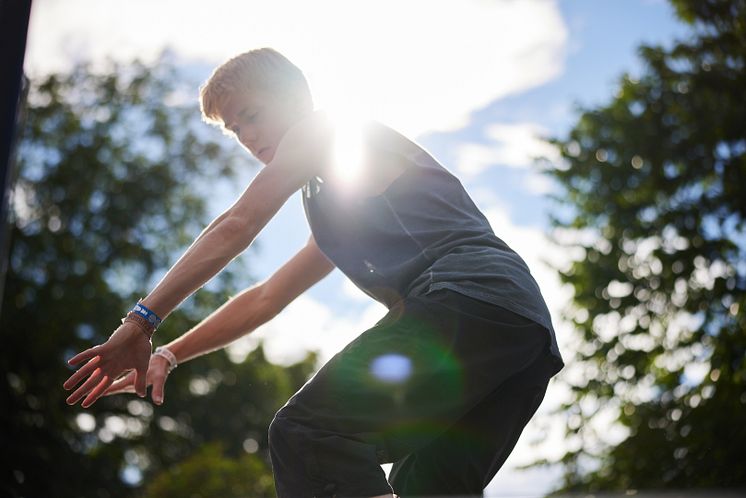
[[141, 386], [158, 388], [122, 385]]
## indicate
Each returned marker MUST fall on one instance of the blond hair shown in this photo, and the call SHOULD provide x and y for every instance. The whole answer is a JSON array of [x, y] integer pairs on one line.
[[263, 69]]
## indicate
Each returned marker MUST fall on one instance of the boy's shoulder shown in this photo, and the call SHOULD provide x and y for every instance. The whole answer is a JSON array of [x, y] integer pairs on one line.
[[315, 128]]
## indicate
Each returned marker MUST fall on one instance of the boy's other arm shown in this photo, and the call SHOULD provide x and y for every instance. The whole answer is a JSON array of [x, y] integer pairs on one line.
[[254, 306], [299, 274]]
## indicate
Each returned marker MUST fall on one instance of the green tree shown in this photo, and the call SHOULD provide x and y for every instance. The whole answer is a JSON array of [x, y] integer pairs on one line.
[[209, 473], [115, 170], [653, 206]]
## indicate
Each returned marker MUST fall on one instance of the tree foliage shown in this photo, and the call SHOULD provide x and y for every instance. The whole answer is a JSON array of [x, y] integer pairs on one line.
[[115, 169], [654, 207], [209, 473]]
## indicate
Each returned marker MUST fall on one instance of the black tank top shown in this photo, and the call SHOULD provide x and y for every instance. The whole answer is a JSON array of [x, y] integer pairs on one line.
[[421, 234]]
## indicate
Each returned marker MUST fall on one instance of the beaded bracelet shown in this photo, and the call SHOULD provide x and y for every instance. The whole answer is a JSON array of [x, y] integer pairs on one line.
[[145, 318], [166, 353], [144, 325]]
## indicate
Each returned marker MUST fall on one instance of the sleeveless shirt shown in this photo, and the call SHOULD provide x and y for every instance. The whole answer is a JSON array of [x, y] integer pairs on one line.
[[422, 233]]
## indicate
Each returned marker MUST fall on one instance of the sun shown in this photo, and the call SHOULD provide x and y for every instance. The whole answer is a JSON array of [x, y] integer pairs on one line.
[[349, 152]]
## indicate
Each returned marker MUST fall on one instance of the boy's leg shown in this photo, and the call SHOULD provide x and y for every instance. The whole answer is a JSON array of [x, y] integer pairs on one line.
[[465, 458], [393, 390]]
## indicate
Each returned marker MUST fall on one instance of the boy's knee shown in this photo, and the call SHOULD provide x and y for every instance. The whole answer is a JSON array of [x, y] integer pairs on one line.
[[329, 464], [286, 431], [278, 432]]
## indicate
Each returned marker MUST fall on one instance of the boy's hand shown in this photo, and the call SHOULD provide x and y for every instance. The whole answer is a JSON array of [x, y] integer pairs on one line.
[[156, 376], [128, 348]]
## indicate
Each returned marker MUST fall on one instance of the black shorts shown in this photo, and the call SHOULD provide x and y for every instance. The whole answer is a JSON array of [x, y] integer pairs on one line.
[[442, 387]]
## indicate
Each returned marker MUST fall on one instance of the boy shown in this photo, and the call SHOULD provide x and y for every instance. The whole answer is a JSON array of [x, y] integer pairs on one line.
[[441, 386]]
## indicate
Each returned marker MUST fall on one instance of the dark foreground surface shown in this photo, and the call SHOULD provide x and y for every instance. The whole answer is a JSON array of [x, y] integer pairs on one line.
[[621, 494]]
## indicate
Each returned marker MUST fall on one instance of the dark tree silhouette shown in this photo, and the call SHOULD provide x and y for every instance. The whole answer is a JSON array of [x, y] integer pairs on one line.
[[655, 184]]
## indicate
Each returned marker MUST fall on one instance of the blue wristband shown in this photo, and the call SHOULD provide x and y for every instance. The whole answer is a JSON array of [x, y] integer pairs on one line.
[[147, 314]]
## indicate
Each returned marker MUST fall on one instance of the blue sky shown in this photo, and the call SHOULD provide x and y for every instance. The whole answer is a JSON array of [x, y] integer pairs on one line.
[[525, 70]]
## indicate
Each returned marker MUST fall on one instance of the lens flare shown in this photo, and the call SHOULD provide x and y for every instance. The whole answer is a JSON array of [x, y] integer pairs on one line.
[[392, 368], [348, 149]]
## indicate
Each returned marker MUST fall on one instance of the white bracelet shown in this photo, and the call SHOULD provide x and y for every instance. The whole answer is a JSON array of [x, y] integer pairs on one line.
[[166, 353]]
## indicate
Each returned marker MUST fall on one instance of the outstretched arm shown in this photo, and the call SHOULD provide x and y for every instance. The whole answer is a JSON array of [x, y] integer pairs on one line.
[[254, 306], [239, 316], [296, 160], [301, 154]]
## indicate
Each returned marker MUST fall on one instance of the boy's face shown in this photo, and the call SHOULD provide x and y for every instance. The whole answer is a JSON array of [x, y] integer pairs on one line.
[[259, 120]]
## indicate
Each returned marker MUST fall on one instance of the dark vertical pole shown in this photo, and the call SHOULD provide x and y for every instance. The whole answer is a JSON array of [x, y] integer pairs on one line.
[[14, 18]]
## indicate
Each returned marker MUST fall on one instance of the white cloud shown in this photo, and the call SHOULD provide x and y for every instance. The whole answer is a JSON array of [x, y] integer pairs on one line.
[[515, 145], [417, 65], [306, 325], [538, 184], [518, 144], [474, 158], [351, 290]]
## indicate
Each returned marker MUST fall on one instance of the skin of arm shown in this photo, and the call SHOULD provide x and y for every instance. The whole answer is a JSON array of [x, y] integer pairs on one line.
[[302, 153], [304, 150], [240, 315], [254, 306]]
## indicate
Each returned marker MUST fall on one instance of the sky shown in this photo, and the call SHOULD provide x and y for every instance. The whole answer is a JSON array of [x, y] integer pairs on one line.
[[478, 83]]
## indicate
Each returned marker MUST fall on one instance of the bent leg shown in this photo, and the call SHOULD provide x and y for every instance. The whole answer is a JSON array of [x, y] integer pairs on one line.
[[309, 462], [464, 459], [392, 391]]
